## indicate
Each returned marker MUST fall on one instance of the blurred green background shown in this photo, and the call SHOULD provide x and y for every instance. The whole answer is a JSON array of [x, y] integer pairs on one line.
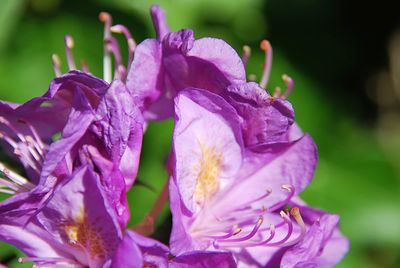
[[343, 56]]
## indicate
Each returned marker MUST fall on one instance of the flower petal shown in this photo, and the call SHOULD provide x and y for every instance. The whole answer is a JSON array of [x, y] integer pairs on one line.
[[159, 21], [207, 144]]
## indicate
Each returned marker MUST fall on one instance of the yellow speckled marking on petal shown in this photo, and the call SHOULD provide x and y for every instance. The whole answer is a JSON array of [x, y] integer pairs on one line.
[[208, 170], [82, 233]]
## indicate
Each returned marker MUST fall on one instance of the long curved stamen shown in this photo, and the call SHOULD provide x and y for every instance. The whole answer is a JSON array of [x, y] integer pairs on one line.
[[231, 233], [249, 235], [295, 212], [56, 64], [39, 143], [288, 235], [20, 153], [48, 261], [246, 55], [289, 85], [69, 45], [291, 191], [107, 20], [113, 46], [119, 28], [266, 47], [12, 128], [16, 182]]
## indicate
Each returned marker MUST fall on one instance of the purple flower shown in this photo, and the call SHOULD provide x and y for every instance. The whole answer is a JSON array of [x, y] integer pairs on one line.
[[174, 61], [77, 226], [102, 128], [26, 129], [225, 197]]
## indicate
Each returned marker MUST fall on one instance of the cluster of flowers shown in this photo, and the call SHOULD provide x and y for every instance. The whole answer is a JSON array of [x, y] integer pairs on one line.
[[238, 162]]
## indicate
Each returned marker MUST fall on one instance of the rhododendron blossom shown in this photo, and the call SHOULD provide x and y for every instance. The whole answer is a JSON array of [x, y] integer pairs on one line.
[[237, 165]]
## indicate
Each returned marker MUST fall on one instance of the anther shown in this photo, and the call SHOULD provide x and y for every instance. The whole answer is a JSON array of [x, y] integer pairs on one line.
[[246, 54], [289, 85], [56, 64], [252, 77], [237, 231], [85, 66], [69, 45], [266, 47], [277, 92]]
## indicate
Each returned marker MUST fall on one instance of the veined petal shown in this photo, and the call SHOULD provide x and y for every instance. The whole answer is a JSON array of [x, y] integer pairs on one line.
[[79, 216], [119, 125], [29, 239], [78, 122], [222, 55], [207, 146]]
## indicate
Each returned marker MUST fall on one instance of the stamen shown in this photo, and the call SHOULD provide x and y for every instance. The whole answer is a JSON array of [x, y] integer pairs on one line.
[[44, 261], [56, 64], [17, 179], [4, 183], [131, 42], [113, 46], [69, 44], [31, 147], [12, 128], [85, 66], [266, 241], [249, 235], [266, 47], [277, 92], [295, 212], [232, 232], [246, 54], [289, 233], [39, 142], [5, 191], [107, 20], [289, 85], [290, 189]]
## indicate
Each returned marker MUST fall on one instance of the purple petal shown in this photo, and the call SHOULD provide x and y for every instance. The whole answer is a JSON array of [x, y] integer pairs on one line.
[[323, 246], [180, 240], [206, 137], [80, 217], [222, 55], [265, 120], [154, 253], [203, 259], [30, 240], [119, 125], [159, 21], [80, 118], [145, 79], [128, 254], [291, 164]]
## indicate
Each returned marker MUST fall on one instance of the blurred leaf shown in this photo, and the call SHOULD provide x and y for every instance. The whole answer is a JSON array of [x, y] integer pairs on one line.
[[10, 11]]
